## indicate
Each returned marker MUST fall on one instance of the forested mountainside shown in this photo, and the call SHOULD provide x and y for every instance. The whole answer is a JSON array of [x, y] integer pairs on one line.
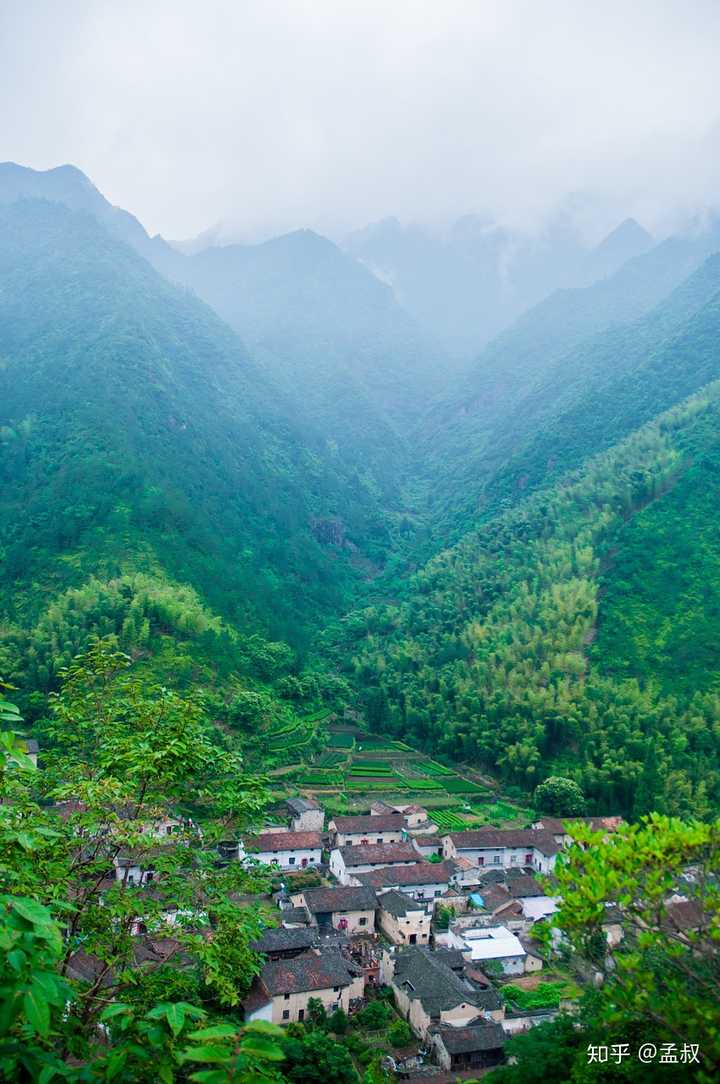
[[574, 344], [466, 285], [325, 330], [488, 654], [166, 485], [332, 336], [584, 401], [137, 438]]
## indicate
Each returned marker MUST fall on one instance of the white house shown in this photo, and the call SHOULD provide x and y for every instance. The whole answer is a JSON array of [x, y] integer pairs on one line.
[[504, 848], [287, 850], [362, 831], [347, 862], [424, 881]]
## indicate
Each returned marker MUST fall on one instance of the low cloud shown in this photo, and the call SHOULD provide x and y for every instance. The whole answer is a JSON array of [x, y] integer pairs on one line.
[[270, 115]]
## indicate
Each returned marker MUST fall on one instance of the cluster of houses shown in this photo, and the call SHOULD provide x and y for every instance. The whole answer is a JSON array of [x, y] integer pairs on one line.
[[437, 917], [393, 875]]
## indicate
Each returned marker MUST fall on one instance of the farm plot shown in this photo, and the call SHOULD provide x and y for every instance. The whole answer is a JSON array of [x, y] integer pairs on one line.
[[448, 820], [457, 785], [431, 767], [341, 741]]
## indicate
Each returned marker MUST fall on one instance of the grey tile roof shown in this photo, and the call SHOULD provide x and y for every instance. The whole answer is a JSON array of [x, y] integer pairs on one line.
[[423, 974], [475, 1037], [301, 805], [344, 898], [304, 973], [398, 904], [379, 854], [284, 841], [521, 887], [492, 838], [422, 873], [282, 940], [379, 822]]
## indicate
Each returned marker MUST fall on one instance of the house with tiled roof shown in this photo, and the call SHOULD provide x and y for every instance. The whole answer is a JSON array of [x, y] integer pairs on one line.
[[428, 844], [504, 848], [347, 862], [348, 908], [423, 881], [479, 1046], [362, 831], [402, 919], [288, 850], [280, 943], [306, 815], [281, 993], [558, 826], [429, 993]]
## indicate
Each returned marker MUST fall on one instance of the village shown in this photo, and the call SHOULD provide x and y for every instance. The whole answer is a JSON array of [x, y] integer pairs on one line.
[[435, 941], [442, 925]]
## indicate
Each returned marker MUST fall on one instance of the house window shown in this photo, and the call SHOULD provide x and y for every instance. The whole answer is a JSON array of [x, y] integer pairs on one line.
[[528, 859], [286, 1014], [301, 1014], [379, 839], [286, 996], [335, 989], [362, 922], [496, 860], [438, 892], [292, 860]]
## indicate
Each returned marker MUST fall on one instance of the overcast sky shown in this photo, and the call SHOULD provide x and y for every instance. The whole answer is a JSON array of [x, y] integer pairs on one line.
[[273, 114]]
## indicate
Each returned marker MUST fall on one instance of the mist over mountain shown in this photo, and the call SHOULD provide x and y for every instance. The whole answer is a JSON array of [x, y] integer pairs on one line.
[[465, 286]]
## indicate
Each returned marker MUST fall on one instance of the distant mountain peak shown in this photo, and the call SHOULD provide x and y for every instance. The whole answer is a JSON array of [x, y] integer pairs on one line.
[[628, 232]]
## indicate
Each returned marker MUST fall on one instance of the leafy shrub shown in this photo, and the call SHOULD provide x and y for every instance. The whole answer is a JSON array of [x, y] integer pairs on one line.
[[374, 1017], [399, 1033]]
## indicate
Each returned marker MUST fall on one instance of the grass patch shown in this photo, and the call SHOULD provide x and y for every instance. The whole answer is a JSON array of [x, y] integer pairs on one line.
[[546, 995]]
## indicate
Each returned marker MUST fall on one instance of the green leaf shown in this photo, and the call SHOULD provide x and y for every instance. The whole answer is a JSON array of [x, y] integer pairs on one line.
[[175, 1016], [37, 1012], [218, 1054], [117, 1009], [31, 911], [260, 1047], [16, 959], [219, 1031]]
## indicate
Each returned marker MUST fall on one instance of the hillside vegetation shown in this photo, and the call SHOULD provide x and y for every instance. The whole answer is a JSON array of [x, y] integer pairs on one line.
[[486, 655], [528, 582]]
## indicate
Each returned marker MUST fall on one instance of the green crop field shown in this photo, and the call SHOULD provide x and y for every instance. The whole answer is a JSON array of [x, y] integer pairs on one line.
[[320, 779], [457, 785], [431, 767], [371, 765], [330, 760], [447, 821], [341, 741]]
